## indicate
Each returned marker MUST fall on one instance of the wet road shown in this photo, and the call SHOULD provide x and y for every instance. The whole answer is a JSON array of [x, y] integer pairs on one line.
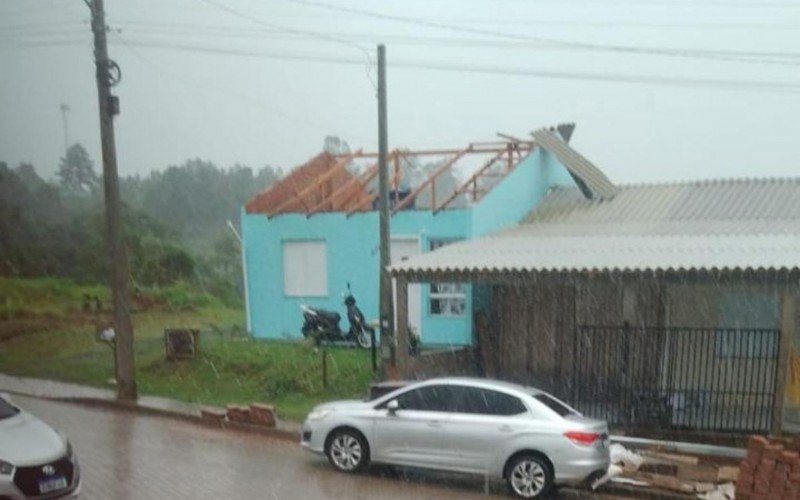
[[130, 456]]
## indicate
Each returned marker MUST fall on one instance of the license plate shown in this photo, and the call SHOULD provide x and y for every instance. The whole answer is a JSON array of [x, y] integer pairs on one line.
[[53, 484]]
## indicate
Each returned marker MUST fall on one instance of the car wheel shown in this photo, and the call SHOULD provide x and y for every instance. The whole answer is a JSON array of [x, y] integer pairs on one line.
[[529, 477], [347, 450]]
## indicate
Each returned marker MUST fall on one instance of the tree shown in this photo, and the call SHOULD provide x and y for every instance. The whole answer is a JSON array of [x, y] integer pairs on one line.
[[76, 171]]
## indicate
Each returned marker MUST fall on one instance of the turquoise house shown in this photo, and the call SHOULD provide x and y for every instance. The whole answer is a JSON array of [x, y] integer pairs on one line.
[[316, 231]]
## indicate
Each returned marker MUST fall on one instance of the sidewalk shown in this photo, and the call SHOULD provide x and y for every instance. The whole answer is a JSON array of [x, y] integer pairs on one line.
[[64, 391]]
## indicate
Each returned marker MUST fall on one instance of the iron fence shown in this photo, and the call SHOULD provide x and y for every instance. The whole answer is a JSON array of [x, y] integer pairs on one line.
[[699, 379]]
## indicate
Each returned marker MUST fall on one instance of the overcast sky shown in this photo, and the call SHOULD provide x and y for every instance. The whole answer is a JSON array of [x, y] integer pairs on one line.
[[659, 89]]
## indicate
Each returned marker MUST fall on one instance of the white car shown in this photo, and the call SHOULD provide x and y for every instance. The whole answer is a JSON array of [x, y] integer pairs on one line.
[[35, 460], [520, 434]]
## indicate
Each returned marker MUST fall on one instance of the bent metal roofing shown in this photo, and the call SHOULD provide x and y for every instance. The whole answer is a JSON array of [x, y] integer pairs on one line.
[[710, 225]]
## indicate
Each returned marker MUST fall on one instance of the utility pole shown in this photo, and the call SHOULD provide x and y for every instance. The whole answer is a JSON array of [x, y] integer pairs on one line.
[[388, 348], [108, 74], [65, 125]]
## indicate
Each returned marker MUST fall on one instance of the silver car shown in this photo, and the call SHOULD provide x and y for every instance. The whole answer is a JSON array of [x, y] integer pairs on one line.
[[520, 434], [35, 460]]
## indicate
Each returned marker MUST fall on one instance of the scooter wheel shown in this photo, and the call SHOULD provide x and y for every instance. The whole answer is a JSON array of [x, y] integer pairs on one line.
[[364, 339]]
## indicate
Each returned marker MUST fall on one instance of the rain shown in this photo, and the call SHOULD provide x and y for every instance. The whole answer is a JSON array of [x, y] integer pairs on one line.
[[429, 249]]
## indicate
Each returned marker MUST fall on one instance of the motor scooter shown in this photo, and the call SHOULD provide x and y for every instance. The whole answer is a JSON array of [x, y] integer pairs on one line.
[[323, 325]]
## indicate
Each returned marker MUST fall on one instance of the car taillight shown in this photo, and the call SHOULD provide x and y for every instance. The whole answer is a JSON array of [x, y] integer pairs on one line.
[[582, 438]]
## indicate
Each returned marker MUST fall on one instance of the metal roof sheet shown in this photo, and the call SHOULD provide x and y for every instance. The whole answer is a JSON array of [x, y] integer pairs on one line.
[[733, 224], [718, 206], [610, 253], [592, 177]]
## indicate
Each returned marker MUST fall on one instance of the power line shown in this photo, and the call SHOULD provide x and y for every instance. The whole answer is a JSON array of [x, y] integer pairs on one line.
[[27, 26], [58, 42], [752, 57], [188, 30], [720, 84], [542, 21], [287, 29], [495, 70], [685, 53], [218, 89], [616, 24], [37, 8], [765, 57]]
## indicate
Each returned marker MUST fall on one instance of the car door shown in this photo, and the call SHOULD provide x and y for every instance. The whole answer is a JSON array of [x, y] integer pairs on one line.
[[412, 435], [481, 424]]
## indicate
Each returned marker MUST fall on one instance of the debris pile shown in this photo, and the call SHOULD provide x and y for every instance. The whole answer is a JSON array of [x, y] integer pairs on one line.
[[691, 476], [771, 470], [256, 414]]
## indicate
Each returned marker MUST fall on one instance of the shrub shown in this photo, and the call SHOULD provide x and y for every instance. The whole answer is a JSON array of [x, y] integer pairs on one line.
[[182, 295]]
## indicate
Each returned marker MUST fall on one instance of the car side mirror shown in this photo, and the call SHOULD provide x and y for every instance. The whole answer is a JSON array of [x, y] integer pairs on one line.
[[392, 406]]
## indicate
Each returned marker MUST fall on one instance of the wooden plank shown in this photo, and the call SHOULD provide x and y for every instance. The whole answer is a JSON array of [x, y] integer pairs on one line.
[[511, 138], [665, 482], [697, 472], [728, 474]]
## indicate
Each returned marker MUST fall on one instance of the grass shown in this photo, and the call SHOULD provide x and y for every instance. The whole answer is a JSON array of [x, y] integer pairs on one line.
[[230, 369], [20, 297]]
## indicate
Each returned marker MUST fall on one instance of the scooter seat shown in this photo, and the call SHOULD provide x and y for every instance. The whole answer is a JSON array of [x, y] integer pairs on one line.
[[329, 315]]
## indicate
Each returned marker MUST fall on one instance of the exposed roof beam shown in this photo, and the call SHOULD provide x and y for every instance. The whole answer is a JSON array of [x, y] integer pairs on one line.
[[476, 148], [359, 181], [510, 137], [430, 180], [465, 186], [363, 202], [338, 167]]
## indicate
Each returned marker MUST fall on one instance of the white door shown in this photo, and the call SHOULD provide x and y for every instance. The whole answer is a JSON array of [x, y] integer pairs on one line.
[[402, 249]]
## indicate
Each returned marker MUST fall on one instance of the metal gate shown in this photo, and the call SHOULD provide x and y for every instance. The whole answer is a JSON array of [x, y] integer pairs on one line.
[[709, 379]]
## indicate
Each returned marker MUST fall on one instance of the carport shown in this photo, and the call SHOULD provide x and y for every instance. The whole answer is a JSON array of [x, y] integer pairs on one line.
[[668, 304]]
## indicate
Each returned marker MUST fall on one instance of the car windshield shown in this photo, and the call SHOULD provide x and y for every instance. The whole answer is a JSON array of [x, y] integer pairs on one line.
[[554, 404], [7, 409]]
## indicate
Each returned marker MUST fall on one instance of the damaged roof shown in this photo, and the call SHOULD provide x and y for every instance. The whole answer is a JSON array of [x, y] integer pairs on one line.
[[321, 183], [707, 225], [324, 184], [592, 181]]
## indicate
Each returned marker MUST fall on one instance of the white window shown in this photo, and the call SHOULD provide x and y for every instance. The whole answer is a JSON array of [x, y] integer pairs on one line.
[[447, 299], [305, 269]]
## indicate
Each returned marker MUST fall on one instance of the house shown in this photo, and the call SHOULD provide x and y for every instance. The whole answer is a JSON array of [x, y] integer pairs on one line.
[[313, 234], [667, 305]]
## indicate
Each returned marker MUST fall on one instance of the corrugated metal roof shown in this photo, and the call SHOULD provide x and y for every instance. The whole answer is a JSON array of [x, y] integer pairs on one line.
[[706, 207], [610, 253], [593, 178], [731, 224]]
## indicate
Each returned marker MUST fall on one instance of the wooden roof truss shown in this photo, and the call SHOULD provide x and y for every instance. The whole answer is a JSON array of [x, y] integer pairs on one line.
[[350, 198]]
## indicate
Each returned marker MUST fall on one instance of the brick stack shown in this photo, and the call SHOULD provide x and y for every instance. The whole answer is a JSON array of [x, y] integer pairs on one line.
[[239, 414], [770, 471], [262, 415]]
